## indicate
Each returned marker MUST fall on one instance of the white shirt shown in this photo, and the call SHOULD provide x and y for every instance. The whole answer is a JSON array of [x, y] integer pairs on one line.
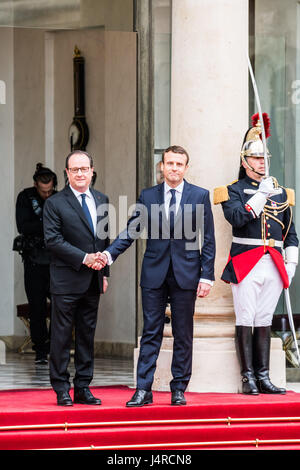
[[178, 195], [90, 201]]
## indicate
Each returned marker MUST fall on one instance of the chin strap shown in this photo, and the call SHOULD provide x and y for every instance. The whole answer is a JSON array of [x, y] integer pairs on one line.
[[250, 167]]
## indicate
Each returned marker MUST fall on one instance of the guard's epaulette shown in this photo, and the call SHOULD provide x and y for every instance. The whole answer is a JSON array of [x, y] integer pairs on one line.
[[290, 196], [221, 193]]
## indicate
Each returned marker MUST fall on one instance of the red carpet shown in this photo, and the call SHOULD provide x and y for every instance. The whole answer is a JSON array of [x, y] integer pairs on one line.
[[208, 421]]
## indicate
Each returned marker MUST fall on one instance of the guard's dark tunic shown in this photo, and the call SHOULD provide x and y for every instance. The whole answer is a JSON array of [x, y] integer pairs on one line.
[[274, 224]]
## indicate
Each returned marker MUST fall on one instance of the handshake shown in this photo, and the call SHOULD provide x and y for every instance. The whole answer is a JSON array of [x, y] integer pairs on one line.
[[96, 261]]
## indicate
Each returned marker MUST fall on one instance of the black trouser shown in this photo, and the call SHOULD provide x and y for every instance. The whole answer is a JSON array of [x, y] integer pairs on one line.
[[182, 304], [80, 311], [37, 282]]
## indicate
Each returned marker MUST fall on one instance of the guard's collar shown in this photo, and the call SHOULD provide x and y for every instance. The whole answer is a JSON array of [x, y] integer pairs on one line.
[[252, 182]]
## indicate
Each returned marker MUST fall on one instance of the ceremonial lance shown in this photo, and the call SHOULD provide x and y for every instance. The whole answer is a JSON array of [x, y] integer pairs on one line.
[[263, 134]]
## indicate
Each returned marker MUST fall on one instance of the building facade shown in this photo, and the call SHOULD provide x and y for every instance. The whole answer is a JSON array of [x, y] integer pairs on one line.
[[157, 72]]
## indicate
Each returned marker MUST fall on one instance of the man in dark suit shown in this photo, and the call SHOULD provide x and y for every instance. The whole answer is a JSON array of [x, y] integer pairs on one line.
[[174, 269], [71, 235]]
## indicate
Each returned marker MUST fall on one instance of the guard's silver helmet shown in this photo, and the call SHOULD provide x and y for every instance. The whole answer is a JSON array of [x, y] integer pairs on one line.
[[253, 145]]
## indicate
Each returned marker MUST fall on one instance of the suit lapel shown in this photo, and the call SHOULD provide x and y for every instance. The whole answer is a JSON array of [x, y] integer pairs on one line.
[[100, 199], [73, 201], [160, 194], [160, 197], [97, 198], [184, 198]]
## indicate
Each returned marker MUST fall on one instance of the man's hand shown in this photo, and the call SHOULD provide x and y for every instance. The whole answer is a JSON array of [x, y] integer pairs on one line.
[[203, 289], [105, 284], [91, 259], [96, 261], [101, 260]]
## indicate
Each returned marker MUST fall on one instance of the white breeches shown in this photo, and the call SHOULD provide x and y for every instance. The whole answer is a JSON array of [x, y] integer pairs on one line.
[[255, 298]]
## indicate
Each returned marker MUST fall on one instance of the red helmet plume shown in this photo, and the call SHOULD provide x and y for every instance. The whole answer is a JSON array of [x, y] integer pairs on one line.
[[267, 123]]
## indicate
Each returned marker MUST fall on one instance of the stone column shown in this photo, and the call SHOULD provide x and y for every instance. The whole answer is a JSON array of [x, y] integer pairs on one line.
[[209, 116]]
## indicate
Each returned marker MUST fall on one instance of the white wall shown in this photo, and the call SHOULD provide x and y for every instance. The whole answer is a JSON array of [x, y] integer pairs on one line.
[[118, 305], [110, 64], [29, 127], [91, 45], [37, 68], [7, 184]]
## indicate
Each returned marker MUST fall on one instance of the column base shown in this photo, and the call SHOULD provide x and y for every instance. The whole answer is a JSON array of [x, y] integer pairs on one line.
[[2, 352], [215, 366]]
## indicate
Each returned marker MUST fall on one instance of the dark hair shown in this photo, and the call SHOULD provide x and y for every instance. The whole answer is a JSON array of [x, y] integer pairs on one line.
[[44, 175], [79, 152], [176, 149], [242, 173]]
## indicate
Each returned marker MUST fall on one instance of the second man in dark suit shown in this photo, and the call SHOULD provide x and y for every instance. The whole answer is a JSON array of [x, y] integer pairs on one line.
[[175, 269], [71, 235]]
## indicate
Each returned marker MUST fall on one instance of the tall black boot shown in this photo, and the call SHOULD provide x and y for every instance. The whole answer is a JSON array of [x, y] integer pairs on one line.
[[261, 360], [243, 344]]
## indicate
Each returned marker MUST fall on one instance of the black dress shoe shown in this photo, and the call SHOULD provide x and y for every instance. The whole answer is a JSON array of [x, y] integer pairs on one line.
[[85, 397], [41, 360], [64, 399], [178, 398], [140, 398]]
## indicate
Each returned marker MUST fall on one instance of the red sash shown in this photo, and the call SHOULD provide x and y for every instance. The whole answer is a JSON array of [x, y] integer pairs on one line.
[[244, 262]]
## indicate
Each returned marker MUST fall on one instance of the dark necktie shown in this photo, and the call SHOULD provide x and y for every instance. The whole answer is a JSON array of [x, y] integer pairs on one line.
[[87, 212], [172, 210]]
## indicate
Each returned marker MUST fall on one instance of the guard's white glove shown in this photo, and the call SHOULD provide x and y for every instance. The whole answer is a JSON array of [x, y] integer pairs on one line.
[[266, 189], [290, 269]]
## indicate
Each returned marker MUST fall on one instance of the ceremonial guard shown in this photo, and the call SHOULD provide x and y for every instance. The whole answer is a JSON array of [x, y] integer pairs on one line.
[[263, 255]]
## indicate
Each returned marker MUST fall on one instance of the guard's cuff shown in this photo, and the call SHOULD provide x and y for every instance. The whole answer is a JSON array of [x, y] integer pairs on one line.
[[256, 203], [109, 258], [249, 209], [291, 254]]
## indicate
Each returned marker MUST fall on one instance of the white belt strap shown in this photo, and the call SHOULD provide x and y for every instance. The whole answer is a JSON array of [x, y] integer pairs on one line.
[[257, 241]]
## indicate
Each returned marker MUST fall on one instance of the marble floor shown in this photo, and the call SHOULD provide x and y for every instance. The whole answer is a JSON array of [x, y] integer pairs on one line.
[[20, 372]]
